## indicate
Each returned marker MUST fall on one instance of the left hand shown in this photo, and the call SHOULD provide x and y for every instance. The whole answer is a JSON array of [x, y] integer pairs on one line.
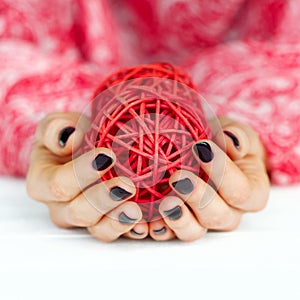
[[240, 183]]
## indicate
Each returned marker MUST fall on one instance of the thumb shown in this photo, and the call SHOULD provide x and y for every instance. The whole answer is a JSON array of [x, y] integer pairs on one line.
[[62, 133]]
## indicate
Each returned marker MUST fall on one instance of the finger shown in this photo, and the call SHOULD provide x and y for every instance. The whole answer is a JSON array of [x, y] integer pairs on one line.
[[139, 231], [62, 133], [117, 222], [208, 207], [249, 156], [230, 179], [237, 139], [90, 206], [160, 231], [49, 182], [180, 219]]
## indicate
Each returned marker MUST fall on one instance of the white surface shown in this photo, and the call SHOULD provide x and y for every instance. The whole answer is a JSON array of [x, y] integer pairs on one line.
[[40, 261]]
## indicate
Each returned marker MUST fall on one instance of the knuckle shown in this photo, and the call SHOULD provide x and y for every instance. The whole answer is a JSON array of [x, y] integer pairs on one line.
[[104, 238], [260, 205], [100, 235], [234, 224], [233, 227], [58, 222], [237, 199], [76, 216], [58, 190], [211, 222], [217, 221], [240, 196]]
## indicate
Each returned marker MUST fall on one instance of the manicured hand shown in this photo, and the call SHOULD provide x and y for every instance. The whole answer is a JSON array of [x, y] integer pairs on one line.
[[236, 165], [57, 180]]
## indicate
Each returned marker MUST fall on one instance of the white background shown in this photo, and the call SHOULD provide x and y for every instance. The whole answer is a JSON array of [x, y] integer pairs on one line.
[[260, 260]]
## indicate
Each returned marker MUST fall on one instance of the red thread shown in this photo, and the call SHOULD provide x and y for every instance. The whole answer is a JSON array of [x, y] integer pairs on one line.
[[150, 115]]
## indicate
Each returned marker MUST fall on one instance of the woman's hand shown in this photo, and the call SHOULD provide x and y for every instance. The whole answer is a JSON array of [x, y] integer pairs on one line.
[[237, 170], [240, 179], [52, 179]]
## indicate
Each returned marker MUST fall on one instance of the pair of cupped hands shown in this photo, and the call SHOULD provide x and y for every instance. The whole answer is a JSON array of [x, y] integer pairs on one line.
[[234, 160]]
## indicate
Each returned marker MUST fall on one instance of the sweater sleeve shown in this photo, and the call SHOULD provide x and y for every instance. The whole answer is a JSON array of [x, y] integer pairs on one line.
[[257, 83], [49, 61], [254, 77], [32, 85]]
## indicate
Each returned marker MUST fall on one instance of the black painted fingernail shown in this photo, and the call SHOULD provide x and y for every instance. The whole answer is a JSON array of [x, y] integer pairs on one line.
[[101, 162], [203, 150], [124, 219], [64, 135], [117, 193], [136, 233], [174, 213], [160, 231], [235, 140], [183, 186]]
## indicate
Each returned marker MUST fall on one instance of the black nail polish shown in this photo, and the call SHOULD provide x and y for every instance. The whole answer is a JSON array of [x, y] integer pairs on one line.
[[174, 213], [203, 150], [136, 233], [117, 193], [101, 162], [235, 140], [160, 231], [124, 219], [183, 186], [64, 135]]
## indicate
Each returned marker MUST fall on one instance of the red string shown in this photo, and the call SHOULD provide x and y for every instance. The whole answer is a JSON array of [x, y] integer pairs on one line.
[[150, 115]]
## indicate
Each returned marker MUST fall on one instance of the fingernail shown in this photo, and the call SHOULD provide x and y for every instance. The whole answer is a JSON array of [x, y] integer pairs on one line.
[[160, 231], [124, 219], [203, 150], [101, 162], [117, 193], [234, 139], [136, 233], [64, 135], [174, 213], [183, 186]]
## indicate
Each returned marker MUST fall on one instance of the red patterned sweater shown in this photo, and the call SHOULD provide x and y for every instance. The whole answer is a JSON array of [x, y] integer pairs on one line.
[[244, 56]]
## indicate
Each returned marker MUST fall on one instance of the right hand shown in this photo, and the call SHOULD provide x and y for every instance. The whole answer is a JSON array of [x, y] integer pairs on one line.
[[52, 180]]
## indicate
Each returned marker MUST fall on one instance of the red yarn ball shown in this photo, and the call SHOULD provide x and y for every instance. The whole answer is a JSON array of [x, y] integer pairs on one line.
[[150, 116]]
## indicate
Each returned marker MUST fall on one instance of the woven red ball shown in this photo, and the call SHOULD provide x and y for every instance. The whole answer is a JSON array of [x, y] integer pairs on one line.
[[150, 116]]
